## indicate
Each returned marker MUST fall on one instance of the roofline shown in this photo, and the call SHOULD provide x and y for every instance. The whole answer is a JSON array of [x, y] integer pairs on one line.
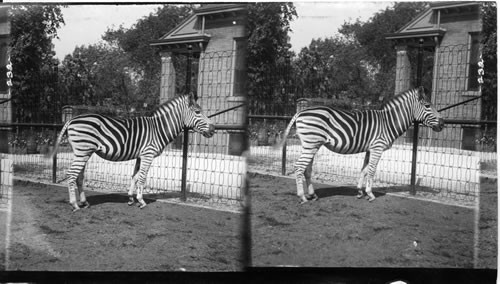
[[416, 18], [448, 4], [181, 40], [226, 7], [426, 33]]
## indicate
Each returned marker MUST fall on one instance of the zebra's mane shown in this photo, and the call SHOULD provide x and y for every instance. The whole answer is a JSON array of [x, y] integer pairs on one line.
[[406, 94], [169, 102]]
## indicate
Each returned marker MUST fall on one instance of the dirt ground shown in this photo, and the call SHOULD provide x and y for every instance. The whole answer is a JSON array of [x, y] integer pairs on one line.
[[47, 236], [339, 230]]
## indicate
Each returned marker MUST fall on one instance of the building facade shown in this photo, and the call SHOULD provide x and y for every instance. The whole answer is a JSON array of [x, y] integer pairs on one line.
[[449, 32], [214, 38]]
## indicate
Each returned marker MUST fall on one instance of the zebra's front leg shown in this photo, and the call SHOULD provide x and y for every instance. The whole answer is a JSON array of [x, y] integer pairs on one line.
[[362, 177], [370, 169], [131, 200], [145, 163], [369, 194], [361, 192]]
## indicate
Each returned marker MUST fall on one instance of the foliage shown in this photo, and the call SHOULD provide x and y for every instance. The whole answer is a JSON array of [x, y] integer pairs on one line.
[[99, 75], [142, 59], [371, 34], [489, 41], [335, 68], [32, 29], [268, 49]]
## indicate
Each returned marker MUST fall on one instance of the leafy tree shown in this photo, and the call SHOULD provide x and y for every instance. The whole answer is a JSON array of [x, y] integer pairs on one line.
[[334, 68], [268, 53], [32, 29], [143, 59], [370, 36], [98, 75], [489, 41]]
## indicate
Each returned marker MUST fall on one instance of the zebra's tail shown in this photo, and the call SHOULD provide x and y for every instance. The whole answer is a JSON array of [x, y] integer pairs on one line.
[[282, 141], [51, 154]]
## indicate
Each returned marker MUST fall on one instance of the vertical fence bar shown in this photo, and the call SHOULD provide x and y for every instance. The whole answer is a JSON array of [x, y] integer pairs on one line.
[[185, 143], [54, 158], [420, 59], [283, 159], [184, 164]]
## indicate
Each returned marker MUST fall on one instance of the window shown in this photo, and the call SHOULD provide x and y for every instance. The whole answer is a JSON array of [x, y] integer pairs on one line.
[[469, 136], [473, 59], [240, 72]]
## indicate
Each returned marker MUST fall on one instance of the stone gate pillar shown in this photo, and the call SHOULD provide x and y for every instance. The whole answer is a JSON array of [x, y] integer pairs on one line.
[[403, 70], [167, 85]]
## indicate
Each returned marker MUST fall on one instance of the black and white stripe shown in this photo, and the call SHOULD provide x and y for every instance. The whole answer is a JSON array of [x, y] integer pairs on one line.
[[141, 138], [350, 132]]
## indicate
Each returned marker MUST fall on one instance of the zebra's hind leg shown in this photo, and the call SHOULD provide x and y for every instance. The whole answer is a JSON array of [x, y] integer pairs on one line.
[[131, 200], [311, 195], [73, 174], [79, 185], [301, 165]]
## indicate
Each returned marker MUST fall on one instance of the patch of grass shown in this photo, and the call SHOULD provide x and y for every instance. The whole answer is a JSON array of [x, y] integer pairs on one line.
[[273, 222], [49, 231]]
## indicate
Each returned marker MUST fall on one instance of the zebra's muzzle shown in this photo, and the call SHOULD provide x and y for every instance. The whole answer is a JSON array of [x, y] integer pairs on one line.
[[210, 132], [439, 126]]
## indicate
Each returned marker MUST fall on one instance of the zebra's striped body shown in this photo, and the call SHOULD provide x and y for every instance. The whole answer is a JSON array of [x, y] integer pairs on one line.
[[350, 132], [140, 138]]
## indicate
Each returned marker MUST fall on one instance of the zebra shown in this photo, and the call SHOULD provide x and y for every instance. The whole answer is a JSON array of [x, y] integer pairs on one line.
[[141, 138], [351, 132]]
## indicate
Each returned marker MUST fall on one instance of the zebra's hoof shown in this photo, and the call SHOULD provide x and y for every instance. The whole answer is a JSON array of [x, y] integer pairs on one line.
[[312, 197], [370, 198], [74, 207], [302, 200], [131, 201], [141, 204], [85, 204]]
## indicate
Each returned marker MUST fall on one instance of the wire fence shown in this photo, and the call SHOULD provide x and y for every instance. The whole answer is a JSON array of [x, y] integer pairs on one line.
[[450, 163], [215, 168]]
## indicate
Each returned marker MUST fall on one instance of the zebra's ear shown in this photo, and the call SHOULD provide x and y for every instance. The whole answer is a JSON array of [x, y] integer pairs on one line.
[[422, 96], [192, 99]]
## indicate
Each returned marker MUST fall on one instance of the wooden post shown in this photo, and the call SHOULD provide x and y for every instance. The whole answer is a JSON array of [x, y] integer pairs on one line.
[[54, 158], [185, 143], [420, 59], [283, 159]]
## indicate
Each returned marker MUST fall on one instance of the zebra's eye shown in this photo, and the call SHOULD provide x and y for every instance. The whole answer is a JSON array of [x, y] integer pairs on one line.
[[197, 111]]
